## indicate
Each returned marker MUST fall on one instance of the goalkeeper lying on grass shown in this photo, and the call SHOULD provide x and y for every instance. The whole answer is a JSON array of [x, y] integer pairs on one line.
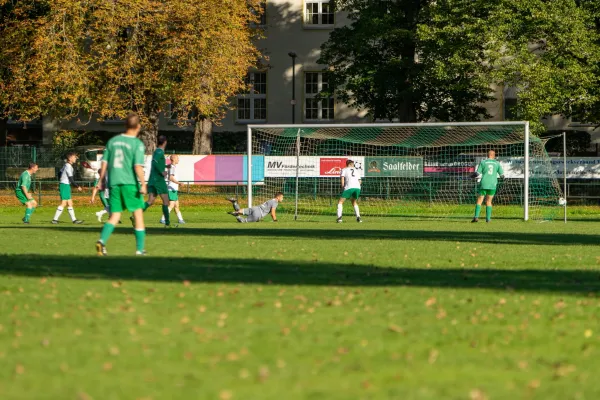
[[257, 213], [488, 171]]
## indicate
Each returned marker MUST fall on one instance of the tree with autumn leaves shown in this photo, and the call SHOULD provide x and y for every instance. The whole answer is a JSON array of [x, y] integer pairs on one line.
[[105, 58]]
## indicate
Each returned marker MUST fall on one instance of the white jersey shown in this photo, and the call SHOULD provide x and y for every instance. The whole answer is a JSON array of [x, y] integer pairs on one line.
[[66, 172], [172, 173], [351, 178]]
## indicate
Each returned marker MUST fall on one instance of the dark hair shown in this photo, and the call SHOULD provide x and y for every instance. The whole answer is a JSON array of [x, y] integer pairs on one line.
[[70, 154], [32, 164], [132, 121], [278, 194], [348, 162], [162, 139]]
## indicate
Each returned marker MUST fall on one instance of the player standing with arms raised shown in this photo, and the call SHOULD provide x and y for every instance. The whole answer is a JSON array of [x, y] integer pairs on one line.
[[488, 171], [64, 188], [124, 161], [350, 181], [173, 186], [156, 182], [22, 191]]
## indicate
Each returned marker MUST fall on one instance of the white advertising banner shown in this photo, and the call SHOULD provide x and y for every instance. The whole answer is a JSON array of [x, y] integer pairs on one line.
[[185, 168], [309, 166], [577, 167]]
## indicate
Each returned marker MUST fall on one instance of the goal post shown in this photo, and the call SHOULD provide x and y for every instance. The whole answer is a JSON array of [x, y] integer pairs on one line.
[[410, 170]]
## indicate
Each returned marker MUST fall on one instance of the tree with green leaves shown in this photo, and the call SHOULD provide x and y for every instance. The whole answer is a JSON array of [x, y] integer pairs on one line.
[[411, 60]]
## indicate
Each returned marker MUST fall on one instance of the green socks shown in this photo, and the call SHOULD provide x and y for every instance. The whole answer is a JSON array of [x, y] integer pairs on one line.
[[140, 239], [165, 210], [146, 205], [28, 212], [477, 210], [106, 232], [488, 213]]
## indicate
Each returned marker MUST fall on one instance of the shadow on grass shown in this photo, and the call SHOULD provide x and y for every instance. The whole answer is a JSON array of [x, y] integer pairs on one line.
[[260, 271], [491, 237]]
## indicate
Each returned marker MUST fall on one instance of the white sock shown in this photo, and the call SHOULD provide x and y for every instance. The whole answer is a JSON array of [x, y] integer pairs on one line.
[[59, 211], [72, 213], [340, 209], [170, 209], [356, 211], [179, 215], [102, 212]]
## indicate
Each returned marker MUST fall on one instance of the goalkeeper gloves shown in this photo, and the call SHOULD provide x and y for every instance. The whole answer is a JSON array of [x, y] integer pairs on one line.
[[474, 175]]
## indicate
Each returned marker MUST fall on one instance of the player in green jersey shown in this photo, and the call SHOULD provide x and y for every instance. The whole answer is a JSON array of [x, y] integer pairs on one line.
[[173, 186], [488, 171], [157, 186], [23, 193], [124, 161]]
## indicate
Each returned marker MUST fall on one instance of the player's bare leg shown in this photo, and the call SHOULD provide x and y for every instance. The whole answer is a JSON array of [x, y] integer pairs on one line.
[[178, 212], [356, 210], [340, 209], [488, 208], [478, 208]]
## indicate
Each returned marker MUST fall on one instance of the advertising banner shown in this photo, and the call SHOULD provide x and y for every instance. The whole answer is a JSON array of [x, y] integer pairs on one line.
[[405, 167]]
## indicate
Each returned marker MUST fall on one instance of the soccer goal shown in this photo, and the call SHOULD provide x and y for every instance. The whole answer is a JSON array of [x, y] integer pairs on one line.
[[420, 170]]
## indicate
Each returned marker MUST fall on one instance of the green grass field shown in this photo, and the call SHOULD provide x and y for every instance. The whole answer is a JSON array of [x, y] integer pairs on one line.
[[388, 309]]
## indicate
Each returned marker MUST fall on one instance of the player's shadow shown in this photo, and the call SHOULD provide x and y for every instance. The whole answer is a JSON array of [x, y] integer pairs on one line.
[[285, 272], [283, 233]]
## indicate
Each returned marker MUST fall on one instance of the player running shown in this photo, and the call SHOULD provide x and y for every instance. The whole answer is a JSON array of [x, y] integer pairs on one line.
[[488, 171], [257, 213], [124, 161], [66, 181], [103, 194], [173, 186], [22, 191], [351, 190], [156, 182]]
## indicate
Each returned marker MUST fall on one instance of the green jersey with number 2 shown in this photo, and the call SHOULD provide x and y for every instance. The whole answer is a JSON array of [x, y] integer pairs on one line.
[[122, 154], [489, 170]]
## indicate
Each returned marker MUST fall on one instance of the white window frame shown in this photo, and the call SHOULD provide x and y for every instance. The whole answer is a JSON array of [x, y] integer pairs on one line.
[[307, 23], [308, 96], [251, 95]]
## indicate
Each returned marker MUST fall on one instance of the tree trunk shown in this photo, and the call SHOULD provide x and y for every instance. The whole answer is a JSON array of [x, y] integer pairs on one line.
[[203, 136], [149, 133]]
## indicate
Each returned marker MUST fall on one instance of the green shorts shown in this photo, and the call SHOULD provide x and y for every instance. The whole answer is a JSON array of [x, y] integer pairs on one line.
[[125, 197], [487, 192], [22, 198], [173, 195], [158, 188], [65, 191], [350, 193]]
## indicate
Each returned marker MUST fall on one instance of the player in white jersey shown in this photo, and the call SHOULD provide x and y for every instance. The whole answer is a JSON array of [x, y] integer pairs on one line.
[[173, 187], [66, 181], [350, 181]]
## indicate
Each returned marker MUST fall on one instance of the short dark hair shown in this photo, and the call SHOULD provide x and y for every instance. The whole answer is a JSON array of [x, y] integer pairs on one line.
[[70, 154], [32, 164], [162, 139], [348, 162], [132, 121], [278, 194]]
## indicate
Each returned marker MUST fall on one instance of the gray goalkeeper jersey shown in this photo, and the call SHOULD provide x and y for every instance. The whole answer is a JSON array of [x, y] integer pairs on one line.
[[265, 208]]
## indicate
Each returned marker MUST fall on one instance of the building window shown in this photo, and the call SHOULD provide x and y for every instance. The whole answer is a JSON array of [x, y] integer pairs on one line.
[[319, 12], [252, 105], [262, 11], [510, 109], [317, 109]]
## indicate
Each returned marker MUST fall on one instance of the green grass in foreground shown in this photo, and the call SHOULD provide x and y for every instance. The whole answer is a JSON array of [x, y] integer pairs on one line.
[[389, 309]]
